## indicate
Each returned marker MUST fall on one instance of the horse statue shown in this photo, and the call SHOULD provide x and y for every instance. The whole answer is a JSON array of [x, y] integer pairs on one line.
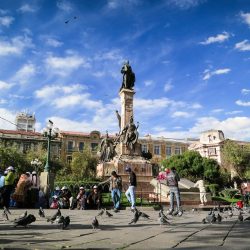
[[128, 81]]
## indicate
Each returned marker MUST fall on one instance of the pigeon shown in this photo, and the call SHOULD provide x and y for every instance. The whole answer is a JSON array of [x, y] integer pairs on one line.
[[210, 212], [41, 212], [53, 218], [23, 215], [59, 219], [67, 21], [6, 210], [101, 213], [219, 218], [161, 214], [5, 214], [248, 218], [25, 220], [240, 217], [137, 215], [230, 214], [204, 221], [144, 215], [66, 222], [194, 209], [108, 214], [95, 223], [211, 218], [163, 221]]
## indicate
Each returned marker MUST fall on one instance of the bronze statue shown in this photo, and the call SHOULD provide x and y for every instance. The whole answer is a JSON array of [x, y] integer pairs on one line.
[[130, 134], [119, 118], [128, 80], [107, 149]]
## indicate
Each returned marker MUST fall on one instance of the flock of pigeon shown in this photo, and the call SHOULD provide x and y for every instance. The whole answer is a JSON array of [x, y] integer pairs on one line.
[[216, 214]]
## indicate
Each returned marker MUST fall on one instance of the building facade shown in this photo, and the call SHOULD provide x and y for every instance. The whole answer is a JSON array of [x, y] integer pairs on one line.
[[25, 122]]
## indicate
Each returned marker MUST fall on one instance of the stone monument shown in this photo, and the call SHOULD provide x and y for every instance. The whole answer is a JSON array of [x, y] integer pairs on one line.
[[124, 150]]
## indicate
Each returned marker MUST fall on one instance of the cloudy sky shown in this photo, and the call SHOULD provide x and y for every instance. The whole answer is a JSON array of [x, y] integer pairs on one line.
[[61, 59]]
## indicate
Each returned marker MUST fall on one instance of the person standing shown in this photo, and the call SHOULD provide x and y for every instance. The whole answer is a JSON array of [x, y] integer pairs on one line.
[[172, 179], [115, 187], [8, 186], [130, 193], [203, 196]]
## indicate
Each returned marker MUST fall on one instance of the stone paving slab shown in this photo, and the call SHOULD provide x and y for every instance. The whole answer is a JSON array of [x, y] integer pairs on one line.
[[186, 232]]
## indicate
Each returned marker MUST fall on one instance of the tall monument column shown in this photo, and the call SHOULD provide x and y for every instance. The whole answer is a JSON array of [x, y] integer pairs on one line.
[[127, 97]]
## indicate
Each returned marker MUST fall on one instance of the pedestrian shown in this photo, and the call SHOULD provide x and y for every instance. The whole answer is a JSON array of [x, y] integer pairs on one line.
[[66, 198], [8, 186], [172, 179], [115, 187], [94, 200], [81, 199], [203, 195], [130, 193]]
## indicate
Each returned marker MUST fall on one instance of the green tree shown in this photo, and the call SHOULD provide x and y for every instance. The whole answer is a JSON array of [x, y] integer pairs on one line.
[[83, 164], [235, 157]]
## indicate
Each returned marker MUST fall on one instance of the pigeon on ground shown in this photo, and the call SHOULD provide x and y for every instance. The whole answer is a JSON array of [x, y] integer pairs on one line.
[[240, 217], [219, 218], [5, 215], [210, 212], [25, 220], [41, 212], [144, 215], [230, 213], [53, 218], [211, 219], [161, 214], [95, 223], [59, 219], [23, 215], [248, 218], [204, 221], [137, 215], [66, 222], [194, 209], [101, 213], [6, 210], [163, 221], [108, 214]]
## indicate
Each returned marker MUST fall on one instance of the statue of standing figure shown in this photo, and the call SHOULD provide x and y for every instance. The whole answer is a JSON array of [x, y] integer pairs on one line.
[[128, 80], [107, 151], [129, 134]]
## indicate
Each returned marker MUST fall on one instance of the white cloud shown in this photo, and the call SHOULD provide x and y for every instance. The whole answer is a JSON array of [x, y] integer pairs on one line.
[[99, 74], [208, 74], [15, 46], [182, 114], [217, 110], [3, 101], [242, 103], [5, 85], [149, 104], [114, 4], [185, 4], [243, 46], [25, 73], [168, 86], [195, 106], [53, 42], [6, 21], [148, 83], [27, 8], [7, 119], [111, 55], [245, 17], [64, 66], [234, 112], [220, 38], [245, 91], [64, 5]]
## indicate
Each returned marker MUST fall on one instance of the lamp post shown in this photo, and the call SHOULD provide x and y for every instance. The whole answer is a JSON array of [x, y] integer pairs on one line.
[[50, 133], [36, 163]]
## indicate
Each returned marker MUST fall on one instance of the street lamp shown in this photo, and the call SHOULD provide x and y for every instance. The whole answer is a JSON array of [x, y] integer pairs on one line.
[[50, 133], [36, 163]]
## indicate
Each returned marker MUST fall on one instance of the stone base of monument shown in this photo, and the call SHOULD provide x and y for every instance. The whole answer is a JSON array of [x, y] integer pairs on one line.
[[141, 167], [47, 182]]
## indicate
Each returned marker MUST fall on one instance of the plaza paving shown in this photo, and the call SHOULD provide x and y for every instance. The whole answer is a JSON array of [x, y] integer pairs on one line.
[[186, 232]]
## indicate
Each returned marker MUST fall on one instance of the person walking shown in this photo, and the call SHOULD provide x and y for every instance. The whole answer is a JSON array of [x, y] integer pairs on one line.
[[203, 195], [130, 193], [172, 179], [8, 186], [115, 187]]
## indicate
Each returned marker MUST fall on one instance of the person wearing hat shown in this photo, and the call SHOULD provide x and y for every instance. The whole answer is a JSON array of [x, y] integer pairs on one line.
[[115, 187], [8, 186], [66, 198], [81, 199], [130, 193], [94, 200]]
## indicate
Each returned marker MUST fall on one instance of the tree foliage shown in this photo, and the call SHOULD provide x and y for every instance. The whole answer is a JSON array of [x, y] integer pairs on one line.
[[83, 164], [193, 166]]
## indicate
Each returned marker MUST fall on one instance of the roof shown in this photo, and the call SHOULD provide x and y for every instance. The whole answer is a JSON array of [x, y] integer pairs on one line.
[[74, 133], [19, 132]]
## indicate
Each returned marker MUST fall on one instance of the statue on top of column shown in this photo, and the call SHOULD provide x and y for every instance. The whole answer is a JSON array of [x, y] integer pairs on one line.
[[128, 80]]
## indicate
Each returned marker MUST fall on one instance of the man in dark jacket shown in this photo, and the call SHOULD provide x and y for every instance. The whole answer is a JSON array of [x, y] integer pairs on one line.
[[172, 183], [130, 193]]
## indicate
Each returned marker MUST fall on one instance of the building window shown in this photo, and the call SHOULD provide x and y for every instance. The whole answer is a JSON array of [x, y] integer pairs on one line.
[[81, 146], [26, 147], [177, 150], [144, 148], [69, 159], [157, 150], [211, 151], [94, 146], [168, 151], [70, 146]]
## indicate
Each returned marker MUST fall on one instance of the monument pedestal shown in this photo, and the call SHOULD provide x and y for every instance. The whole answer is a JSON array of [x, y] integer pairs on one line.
[[47, 183]]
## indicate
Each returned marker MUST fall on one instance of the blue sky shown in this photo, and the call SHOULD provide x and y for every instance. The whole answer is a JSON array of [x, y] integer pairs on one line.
[[191, 59]]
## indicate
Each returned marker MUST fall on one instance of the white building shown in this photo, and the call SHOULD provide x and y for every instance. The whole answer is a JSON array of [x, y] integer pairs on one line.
[[25, 122]]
